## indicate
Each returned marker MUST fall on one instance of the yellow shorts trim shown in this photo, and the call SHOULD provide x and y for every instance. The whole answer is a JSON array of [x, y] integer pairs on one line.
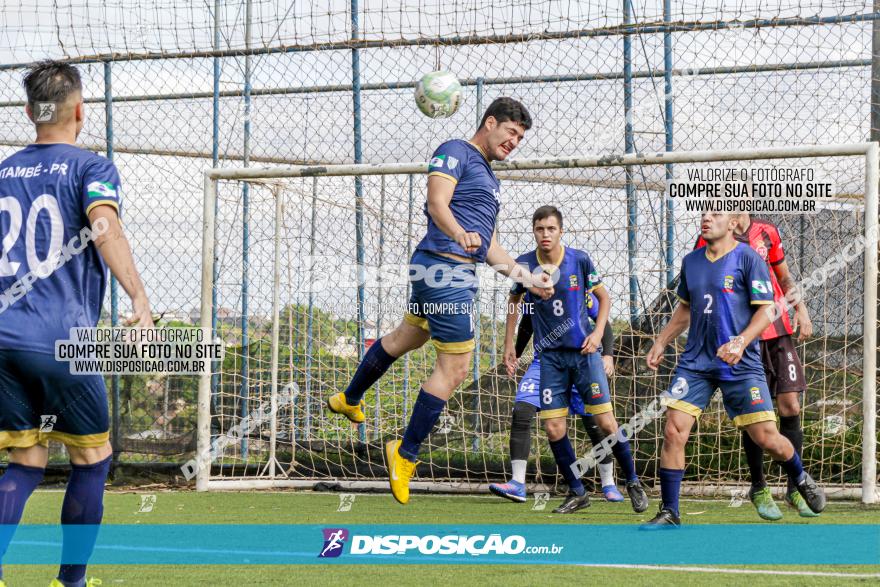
[[598, 409], [454, 348], [416, 321], [444, 176], [744, 420], [103, 203], [21, 438], [554, 413], [682, 406], [761, 302]]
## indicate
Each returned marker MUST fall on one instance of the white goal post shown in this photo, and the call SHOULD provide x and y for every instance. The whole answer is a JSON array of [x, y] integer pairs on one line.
[[271, 474]]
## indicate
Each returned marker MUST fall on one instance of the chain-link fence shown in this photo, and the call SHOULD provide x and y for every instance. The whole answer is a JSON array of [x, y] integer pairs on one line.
[[174, 88]]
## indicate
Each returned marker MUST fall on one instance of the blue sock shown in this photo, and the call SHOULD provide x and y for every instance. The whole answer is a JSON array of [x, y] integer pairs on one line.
[[794, 468], [375, 362], [623, 454], [670, 486], [565, 458], [425, 414], [16, 486], [81, 516]]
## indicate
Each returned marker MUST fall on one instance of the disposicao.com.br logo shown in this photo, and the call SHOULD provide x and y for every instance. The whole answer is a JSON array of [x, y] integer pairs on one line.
[[431, 544]]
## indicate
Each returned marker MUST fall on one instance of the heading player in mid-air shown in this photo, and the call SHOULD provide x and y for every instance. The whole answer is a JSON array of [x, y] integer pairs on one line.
[[527, 404], [464, 198], [722, 287], [568, 346], [782, 366], [50, 193]]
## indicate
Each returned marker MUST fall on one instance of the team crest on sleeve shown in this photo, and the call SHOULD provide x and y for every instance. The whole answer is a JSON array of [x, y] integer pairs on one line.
[[438, 161], [756, 396], [573, 283], [452, 162], [101, 189], [728, 284], [761, 287]]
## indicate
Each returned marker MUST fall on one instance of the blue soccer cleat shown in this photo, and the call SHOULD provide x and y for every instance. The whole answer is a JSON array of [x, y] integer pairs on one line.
[[612, 493], [512, 490]]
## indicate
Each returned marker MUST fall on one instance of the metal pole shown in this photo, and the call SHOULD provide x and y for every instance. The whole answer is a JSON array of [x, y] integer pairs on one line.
[[631, 202], [276, 326], [409, 222], [311, 317], [245, 231], [358, 191], [114, 286], [379, 296], [203, 438], [215, 162], [872, 284], [668, 120], [869, 328]]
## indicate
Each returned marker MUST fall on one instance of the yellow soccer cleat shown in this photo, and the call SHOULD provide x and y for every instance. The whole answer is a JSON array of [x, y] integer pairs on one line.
[[338, 405], [93, 582], [400, 470]]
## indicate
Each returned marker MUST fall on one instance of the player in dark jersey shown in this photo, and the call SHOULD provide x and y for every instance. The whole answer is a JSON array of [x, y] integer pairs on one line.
[[59, 217], [463, 202], [568, 346], [527, 404], [721, 288], [782, 366]]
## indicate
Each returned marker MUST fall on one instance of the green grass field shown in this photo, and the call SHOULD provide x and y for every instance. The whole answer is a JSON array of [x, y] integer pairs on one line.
[[185, 507]]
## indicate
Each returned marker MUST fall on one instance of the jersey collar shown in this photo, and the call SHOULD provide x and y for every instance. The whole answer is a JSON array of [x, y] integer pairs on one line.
[[555, 263], [478, 148], [711, 260]]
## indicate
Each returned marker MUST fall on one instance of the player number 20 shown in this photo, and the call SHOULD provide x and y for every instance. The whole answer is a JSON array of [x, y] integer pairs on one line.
[[43, 267]]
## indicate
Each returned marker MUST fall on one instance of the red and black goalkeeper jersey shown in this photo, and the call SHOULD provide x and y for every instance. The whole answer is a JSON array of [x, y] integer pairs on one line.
[[763, 236]]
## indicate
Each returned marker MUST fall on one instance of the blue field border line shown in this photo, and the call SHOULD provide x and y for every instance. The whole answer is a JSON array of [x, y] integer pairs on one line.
[[243, 544]]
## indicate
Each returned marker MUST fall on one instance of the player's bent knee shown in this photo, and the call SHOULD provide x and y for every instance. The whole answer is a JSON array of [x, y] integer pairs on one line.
[[555, 428], [788, 404], [89, 455], [32, 456]]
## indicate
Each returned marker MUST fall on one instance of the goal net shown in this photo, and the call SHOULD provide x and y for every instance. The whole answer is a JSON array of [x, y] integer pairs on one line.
[[304, 268]]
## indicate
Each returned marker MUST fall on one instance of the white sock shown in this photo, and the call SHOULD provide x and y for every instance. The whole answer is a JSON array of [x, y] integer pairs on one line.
[[606, 472], [519, 471]]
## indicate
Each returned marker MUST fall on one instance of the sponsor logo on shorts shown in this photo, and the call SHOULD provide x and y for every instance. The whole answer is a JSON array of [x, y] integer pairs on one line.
[[594, 388], [756, 396]]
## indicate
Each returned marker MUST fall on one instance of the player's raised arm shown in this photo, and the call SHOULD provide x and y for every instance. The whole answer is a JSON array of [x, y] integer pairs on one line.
[[116, 252], [501, 261], [440, 189]]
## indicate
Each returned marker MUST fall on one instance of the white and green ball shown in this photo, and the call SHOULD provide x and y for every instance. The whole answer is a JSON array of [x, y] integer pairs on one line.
[[438, 94]]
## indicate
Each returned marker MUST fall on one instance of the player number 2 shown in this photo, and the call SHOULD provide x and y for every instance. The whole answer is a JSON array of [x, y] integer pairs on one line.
[[557, 308], [43, 267], [547, 396], [708, 309]]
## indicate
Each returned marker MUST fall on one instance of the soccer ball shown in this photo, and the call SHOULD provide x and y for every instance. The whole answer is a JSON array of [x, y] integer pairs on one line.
[[438, 94]]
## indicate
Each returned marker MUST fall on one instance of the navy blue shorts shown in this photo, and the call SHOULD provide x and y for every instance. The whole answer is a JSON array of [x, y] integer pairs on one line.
[[442, 301], [41, 400], [560, 370], [530, 385], [746, 400]]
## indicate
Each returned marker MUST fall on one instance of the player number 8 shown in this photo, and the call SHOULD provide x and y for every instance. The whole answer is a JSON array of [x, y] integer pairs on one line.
[[557, 308], [547, 396], [792, 373]]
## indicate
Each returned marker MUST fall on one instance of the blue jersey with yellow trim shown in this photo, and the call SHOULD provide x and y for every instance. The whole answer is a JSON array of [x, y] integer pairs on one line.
[[723, 295], [475, 201], [562, 322], [46, 192]]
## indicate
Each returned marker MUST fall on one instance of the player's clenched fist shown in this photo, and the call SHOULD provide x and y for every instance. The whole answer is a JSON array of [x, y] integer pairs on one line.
[[655, 355], [469, 241], [542, 286], [731, 352], [591, 343]]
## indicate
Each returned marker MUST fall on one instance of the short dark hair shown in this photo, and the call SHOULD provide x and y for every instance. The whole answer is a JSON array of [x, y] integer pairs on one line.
[[546, 212], [508, 109], [51, 81]]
